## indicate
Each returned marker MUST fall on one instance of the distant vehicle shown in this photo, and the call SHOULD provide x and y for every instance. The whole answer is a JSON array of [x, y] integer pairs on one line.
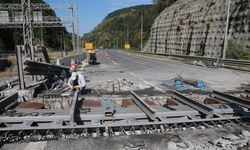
[[92, 57], [91, 53]]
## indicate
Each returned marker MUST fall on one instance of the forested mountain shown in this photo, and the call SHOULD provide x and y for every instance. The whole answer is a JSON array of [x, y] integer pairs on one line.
[[52, 36], [162, 4], [112, 32]]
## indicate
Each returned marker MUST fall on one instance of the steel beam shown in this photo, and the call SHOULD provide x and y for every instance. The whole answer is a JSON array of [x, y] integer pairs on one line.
[[40, 68], [35, 25], [45, 54], [3, 87], [148, 110], [140, 119], [96, 114], [8, 102], [74, 109], [34, 6], [20, 67], [50, 125], [204, 109], [231, 99]]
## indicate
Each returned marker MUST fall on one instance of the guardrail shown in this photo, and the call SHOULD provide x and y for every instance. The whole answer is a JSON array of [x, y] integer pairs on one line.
[[224, 61]]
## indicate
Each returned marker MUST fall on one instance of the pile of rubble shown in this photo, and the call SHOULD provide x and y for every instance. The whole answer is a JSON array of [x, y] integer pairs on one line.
[[232, 141], [228, 142], [119, 85]]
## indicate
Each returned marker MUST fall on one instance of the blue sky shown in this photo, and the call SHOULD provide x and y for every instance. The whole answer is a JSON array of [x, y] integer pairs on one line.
[[92, 12]]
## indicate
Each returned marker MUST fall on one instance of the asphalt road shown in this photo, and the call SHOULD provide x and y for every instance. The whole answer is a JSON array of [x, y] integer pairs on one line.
[[157, 73]]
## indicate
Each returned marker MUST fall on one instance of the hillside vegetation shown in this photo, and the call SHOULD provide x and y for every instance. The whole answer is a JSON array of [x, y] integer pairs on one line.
[[162, 4], [111, 33], [52, 36]]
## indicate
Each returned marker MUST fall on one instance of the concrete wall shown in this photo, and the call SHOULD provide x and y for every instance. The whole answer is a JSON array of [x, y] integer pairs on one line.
[[197, 27], [65, 61]]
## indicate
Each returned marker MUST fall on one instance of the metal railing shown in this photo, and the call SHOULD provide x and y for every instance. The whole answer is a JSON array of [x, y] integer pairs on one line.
[[210, 59]]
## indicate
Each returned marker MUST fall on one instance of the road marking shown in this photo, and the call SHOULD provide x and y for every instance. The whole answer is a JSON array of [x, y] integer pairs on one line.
[[115, 62], [147, 83]]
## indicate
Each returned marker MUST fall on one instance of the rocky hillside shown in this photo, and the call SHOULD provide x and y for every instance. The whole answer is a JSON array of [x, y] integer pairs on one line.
[[111, 33], [52, 36], [197, 27]]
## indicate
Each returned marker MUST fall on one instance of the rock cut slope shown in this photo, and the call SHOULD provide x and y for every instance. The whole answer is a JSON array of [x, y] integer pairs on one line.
[[197, 27]]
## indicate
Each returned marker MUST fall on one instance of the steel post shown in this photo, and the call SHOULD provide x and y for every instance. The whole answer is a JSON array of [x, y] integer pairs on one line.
[[226, 32], [20, 67]]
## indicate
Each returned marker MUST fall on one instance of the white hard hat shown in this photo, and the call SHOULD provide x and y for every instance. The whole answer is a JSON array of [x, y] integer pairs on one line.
[[74, 75]]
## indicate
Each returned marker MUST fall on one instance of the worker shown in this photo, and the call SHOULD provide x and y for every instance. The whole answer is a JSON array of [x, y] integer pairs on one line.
[[76, 81]]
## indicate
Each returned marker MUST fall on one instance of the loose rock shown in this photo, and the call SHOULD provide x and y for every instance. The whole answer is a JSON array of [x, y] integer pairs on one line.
[[171, 146], [245, 133]]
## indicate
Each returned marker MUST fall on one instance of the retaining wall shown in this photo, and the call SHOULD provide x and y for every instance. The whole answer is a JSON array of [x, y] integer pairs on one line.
[[197, 27]]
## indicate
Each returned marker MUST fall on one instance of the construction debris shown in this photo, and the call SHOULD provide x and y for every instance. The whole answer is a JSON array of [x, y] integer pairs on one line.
[[232, 141], [119, 86], [195, 83], [181, 83]]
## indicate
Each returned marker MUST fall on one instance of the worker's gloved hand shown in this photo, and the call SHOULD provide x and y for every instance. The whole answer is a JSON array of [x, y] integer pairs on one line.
[[72, 88]]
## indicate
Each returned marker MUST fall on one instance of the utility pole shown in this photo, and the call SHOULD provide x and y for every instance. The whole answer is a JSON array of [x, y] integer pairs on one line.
[[62, 43], [141, 12], [64, 46], [117, 43], [226, 32], [42, 43], [121, 41], [73, 26], [127, 31], [77, 28]]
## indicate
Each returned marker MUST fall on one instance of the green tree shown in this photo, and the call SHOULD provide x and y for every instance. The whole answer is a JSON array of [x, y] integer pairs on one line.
[[162, 4], [238, 50], [110, 33], [9, 38]]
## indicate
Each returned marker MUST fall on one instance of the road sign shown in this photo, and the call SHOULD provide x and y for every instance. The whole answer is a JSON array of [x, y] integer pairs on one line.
[[127, 46], [89, 46]]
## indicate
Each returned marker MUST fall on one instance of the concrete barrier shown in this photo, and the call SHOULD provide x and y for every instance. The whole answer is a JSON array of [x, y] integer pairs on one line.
[[65, 61]]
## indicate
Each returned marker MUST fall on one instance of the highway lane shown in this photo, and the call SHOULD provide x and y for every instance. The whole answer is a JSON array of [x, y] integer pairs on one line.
[[157, 73], [117, 65]]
